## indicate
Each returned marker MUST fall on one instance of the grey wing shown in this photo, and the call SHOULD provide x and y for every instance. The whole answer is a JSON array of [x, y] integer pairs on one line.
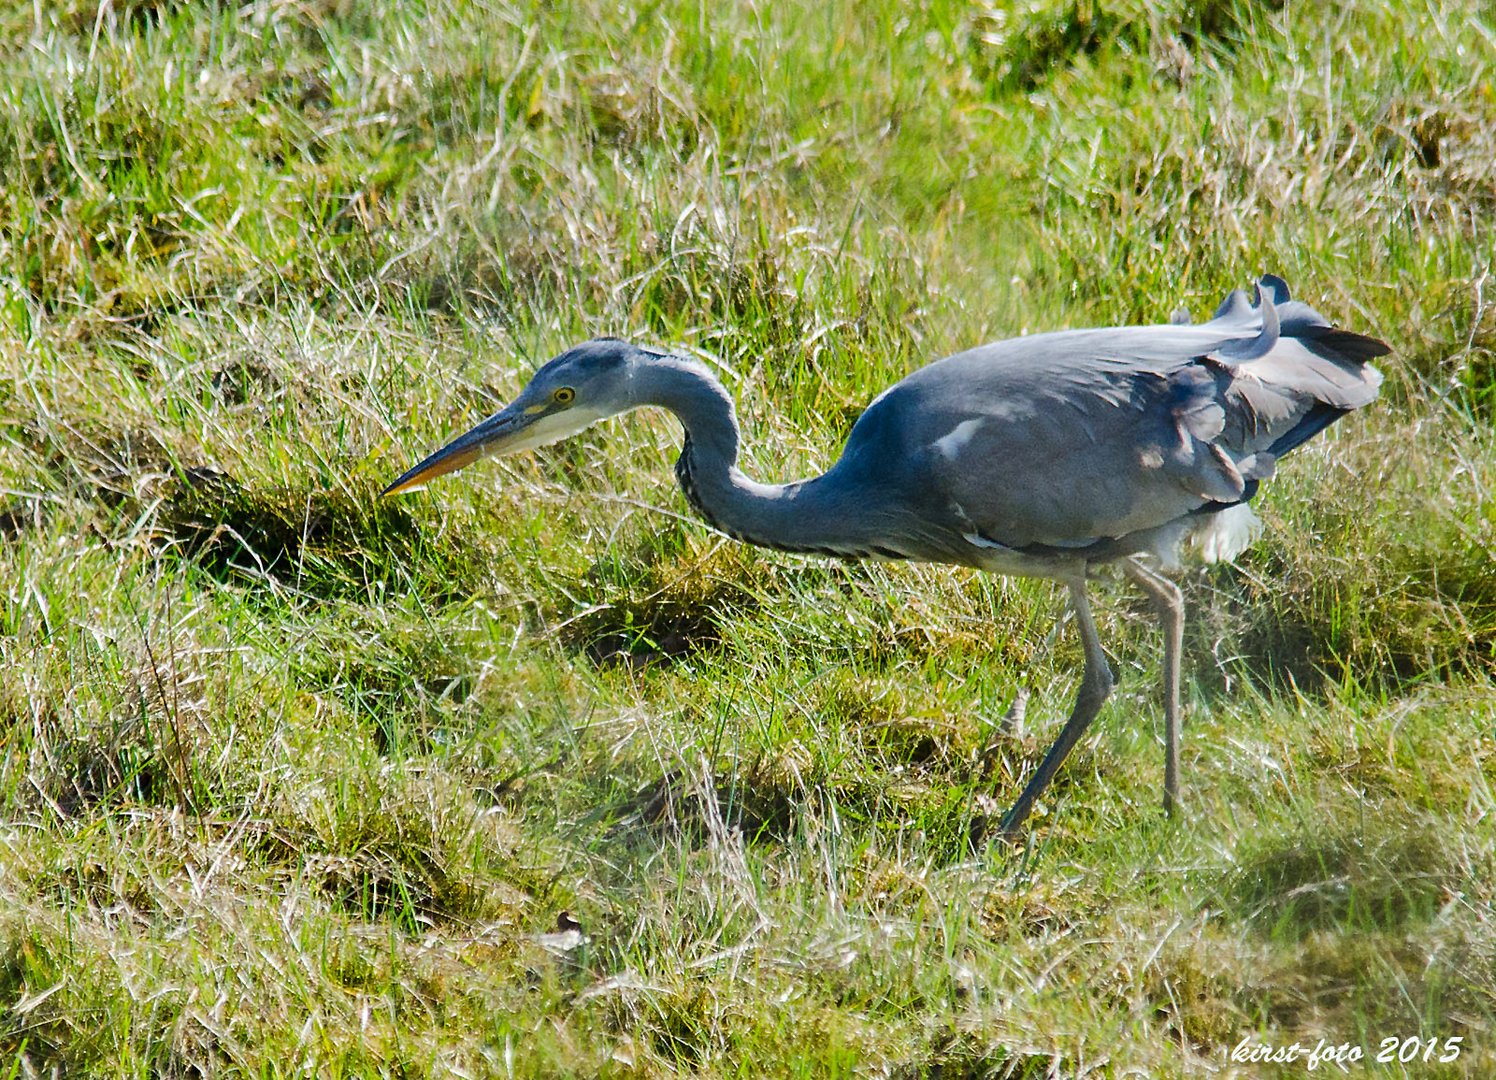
[[1312, 375], [1067, 441]]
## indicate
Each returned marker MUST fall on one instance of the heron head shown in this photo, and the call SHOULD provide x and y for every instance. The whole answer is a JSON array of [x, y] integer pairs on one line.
[[576, 389]]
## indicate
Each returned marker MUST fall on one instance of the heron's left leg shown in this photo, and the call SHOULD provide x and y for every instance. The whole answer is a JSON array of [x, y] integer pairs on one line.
[[1169, 602], [1095, 685]]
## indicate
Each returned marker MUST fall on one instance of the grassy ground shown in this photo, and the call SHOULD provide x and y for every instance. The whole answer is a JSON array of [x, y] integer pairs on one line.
[[531, 774]]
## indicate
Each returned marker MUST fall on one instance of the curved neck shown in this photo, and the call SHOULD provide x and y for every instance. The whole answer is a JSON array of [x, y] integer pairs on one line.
[[808, 516]]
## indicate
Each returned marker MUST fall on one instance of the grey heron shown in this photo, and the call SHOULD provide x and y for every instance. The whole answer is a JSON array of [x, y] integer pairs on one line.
[[1041, 456]]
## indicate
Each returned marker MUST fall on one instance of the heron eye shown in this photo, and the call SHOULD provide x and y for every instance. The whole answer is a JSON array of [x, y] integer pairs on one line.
[[563, 395]]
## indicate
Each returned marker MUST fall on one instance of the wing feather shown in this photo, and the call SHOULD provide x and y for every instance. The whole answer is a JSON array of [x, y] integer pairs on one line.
[[1084, 437]]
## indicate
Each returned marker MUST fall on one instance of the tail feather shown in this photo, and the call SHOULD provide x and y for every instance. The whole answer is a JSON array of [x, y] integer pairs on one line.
[[1346, 346]]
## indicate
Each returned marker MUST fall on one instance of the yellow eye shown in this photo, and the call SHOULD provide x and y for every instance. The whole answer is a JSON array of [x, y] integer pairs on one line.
[[563, 395]]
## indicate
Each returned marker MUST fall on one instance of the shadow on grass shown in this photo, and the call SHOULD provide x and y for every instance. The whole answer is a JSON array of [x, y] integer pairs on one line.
[[1380, 873], [1428, 612], [948, 805], [323, 542], [960, 1055], [1022, 51], [755, 802], [662, 603], [391, 869]]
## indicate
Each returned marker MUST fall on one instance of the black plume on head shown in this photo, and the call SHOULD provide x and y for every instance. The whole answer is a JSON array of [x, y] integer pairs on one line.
[[598, 354]]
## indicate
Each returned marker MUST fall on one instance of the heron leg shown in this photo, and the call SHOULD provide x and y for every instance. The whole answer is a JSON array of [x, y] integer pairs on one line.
[[1095, 685], [1169, 602]]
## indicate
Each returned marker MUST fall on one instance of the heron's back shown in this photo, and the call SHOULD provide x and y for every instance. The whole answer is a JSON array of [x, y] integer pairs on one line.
[[1085, 443]]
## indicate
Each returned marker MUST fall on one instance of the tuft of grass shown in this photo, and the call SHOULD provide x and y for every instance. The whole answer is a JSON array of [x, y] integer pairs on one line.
[[531, 774]]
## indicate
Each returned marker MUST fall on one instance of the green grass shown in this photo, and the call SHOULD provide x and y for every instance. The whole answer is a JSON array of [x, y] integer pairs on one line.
[[296, 781]]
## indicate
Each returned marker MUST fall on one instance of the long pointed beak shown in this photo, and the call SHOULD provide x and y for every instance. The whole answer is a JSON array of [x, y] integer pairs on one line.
[[493, 436]]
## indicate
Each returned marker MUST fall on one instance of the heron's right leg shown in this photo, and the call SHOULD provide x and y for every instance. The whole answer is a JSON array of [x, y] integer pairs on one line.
[[1095, 685], [1169, 602]]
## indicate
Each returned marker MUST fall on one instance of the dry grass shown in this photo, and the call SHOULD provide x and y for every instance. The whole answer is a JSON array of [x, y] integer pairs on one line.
[[532, 775]]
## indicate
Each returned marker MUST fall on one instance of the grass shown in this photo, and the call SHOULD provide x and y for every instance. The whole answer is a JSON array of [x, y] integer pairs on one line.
[[531, 774]]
